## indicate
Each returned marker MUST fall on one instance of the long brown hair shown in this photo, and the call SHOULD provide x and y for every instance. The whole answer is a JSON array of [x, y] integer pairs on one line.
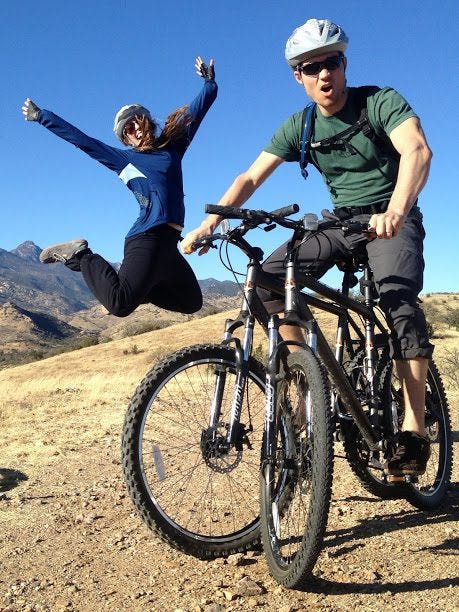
[[174, 130]]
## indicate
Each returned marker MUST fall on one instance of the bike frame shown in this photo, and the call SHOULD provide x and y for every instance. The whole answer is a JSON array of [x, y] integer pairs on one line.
[[298, 312]]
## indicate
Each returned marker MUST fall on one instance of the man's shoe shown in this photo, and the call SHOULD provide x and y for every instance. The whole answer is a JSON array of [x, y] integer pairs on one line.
[[410, 455], [63, 252]]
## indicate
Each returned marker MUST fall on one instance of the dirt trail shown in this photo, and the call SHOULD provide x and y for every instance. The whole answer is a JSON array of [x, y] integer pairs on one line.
[[71, 540]]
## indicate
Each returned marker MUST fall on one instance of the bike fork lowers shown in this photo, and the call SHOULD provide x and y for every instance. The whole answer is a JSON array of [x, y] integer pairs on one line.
[[269, 443], [242, 352]]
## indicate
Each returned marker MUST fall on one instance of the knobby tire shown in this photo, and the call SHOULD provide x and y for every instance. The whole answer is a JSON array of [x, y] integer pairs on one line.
[[198, 498], [429, 489], [295, 488]]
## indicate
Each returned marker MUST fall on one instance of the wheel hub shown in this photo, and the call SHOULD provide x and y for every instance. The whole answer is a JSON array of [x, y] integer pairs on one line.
[[217, 452]]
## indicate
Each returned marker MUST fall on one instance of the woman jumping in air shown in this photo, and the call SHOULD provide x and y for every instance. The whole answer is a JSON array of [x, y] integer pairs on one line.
[[153, 270]]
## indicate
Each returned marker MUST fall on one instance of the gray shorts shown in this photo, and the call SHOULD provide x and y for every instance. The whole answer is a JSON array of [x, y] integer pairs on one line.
[[398, 268]]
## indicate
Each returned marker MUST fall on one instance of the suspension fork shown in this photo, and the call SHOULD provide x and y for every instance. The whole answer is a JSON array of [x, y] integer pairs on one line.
[[292, 308], [370, 351], [242, 355], [269, 440], [242, 368], [342, 336]]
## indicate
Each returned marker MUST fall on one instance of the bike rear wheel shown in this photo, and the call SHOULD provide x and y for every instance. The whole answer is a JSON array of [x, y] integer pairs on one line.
[[295, 487], [428, 490], [189, 487]]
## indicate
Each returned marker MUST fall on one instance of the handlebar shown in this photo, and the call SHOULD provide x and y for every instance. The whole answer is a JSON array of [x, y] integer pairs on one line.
[[254, 218], [259, 216], [229, 212]]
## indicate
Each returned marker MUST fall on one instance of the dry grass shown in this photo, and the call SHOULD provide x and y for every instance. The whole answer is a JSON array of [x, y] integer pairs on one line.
[[86, 390], [109, 372], [90, 388]]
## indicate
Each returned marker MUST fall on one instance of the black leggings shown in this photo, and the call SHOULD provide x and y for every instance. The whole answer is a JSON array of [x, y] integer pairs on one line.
[[153, 271]]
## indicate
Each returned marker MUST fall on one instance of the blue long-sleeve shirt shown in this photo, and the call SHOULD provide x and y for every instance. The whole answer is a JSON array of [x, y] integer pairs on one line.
[[154, 177]]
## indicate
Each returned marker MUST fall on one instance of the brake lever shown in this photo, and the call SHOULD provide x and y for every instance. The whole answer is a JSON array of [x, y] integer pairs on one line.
[[359, 228], [203, 242]]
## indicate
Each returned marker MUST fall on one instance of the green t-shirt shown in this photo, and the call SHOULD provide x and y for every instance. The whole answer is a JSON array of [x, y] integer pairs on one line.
[[358, 174]]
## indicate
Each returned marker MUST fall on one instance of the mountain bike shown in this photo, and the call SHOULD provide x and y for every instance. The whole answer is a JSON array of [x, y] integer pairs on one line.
[[210, 421]]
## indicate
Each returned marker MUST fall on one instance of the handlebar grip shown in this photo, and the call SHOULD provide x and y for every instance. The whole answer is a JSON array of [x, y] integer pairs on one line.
[[286, 211], [228, 212], [203, 241], [355, 227]]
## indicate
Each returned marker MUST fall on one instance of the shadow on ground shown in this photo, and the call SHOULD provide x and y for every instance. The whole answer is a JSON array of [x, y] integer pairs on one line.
[[9, 479], [318, 585], [381, 524], [340, 542]]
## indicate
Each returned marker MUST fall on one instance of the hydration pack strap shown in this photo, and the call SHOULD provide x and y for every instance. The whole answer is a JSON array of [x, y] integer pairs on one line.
[[307, 122], [363, 125]]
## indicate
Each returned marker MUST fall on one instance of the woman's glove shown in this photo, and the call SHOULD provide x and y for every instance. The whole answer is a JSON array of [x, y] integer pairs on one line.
[[204, 71], [30, 110]]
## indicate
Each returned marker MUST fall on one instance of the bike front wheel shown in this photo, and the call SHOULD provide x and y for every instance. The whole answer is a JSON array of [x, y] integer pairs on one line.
[[190, 487], [295, 485]]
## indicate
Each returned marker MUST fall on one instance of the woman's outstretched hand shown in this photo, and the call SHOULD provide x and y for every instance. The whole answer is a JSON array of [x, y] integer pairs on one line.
[[30, 110], [204, 71]]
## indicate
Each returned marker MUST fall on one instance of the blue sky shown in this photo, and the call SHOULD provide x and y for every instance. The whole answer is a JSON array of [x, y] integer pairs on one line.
[[85, 59]]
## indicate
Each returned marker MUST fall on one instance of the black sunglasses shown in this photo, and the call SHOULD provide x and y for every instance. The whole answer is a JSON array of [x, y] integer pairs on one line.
[[330, 64]]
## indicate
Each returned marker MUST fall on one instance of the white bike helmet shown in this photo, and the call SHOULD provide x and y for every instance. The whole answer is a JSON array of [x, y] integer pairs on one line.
[[314, 37], [125, 113]]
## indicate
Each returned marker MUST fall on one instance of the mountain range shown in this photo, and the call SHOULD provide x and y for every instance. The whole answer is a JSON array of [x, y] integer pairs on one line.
[[43, 307]]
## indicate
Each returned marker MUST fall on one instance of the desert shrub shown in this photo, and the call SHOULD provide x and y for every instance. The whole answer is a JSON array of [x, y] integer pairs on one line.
[[13, 358], [34, 355], [450, 367], [430, 329], [142, 328], [434, 318], [260, 353], [158, 354], [452, 318], [84, 342], [133, 350], [207, 311], [73, 344]]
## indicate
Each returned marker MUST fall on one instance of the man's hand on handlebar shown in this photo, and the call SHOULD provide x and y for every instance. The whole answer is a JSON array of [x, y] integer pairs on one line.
[[187, 245], [386, 225]]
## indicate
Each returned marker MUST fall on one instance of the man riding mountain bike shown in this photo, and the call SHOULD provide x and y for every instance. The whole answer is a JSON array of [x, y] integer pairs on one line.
[[368, 182]]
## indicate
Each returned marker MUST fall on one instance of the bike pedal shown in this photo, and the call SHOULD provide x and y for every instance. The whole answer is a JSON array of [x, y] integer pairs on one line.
[[395, 479]]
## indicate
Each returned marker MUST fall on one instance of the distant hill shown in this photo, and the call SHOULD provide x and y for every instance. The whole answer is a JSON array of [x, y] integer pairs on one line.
[[22, 330], [27, 283], [42, 307], [210, 286]]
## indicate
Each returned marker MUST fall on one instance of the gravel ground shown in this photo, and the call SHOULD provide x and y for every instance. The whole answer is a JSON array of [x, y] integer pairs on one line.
[[71, 540]]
